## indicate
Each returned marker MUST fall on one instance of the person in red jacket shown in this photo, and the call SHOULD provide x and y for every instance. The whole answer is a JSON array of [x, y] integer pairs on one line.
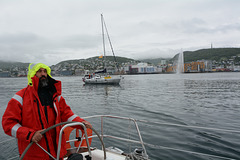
[[35, 108]]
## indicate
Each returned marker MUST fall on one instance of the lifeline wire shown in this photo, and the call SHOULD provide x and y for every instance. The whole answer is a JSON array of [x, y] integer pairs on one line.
[[180, 125]]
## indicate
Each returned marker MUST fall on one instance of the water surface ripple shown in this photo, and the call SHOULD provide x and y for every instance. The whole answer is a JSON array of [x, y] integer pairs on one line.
[[205, 100]]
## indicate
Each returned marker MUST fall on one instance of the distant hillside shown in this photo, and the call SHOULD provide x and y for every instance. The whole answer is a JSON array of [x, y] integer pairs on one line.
[[118, 59], [216, 54], [155, 61], [93, 63], [91, 59], [10, 65]]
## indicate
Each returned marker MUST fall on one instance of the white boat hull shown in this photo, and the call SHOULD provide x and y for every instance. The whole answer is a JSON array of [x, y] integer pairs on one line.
[[102, 80]]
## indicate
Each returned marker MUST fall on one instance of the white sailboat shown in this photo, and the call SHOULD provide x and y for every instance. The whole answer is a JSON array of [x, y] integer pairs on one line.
[[102, 77]]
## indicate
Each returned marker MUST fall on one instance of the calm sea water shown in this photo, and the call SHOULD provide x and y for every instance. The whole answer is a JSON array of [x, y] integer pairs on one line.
[[205, 100]]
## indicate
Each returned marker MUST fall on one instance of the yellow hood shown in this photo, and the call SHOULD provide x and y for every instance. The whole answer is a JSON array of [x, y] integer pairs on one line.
[[33, 68]]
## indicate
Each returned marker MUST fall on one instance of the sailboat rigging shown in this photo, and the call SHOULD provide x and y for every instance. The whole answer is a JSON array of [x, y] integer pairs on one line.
[[96, 77], [105, 26]]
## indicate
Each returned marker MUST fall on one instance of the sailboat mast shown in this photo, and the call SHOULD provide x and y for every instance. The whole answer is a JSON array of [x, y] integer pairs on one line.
[[110, 44], [104, 50]]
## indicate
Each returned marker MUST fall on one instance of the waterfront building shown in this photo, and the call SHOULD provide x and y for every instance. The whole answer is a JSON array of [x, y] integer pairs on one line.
[[5, 74], [143, 68]]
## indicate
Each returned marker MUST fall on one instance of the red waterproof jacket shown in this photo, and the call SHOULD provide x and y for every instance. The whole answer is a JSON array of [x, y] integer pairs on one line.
[[25, 115]]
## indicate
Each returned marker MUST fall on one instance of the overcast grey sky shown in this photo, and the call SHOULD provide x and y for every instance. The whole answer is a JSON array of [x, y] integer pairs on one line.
[[51, 31]]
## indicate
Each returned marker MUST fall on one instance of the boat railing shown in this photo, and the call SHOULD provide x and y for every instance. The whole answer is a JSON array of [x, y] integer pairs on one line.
[[61, 133], [140, 141]]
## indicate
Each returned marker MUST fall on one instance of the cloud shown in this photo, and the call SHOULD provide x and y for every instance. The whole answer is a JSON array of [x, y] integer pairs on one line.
[[57, 30]]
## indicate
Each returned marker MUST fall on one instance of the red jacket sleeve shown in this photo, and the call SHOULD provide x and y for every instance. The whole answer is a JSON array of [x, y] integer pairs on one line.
[[11, 120]]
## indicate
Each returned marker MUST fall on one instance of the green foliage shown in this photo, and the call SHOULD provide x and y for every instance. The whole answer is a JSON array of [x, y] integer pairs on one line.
[[216, 54]]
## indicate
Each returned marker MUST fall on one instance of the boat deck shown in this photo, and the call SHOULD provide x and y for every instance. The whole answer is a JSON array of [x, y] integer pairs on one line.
[[99, 155]]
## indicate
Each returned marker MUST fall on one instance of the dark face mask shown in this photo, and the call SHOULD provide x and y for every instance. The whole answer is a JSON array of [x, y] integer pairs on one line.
[[43, 82]]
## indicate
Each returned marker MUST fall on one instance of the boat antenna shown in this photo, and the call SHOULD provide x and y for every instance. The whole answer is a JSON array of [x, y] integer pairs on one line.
[[104, 50], [103, 21]]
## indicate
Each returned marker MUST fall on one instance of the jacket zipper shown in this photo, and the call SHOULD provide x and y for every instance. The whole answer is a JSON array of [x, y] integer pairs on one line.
[[45, 137]]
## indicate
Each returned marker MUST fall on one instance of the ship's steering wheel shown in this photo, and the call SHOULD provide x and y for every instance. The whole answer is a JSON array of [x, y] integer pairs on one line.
[[63, 123]]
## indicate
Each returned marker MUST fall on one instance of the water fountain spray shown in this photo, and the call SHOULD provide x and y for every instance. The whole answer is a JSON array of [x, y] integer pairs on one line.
[[180, 63]]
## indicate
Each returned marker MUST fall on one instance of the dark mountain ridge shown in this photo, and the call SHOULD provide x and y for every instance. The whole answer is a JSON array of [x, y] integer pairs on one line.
[[214, 54]]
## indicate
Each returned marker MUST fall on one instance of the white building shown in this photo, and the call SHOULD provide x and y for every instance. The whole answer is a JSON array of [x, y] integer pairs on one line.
[[144, 68]]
